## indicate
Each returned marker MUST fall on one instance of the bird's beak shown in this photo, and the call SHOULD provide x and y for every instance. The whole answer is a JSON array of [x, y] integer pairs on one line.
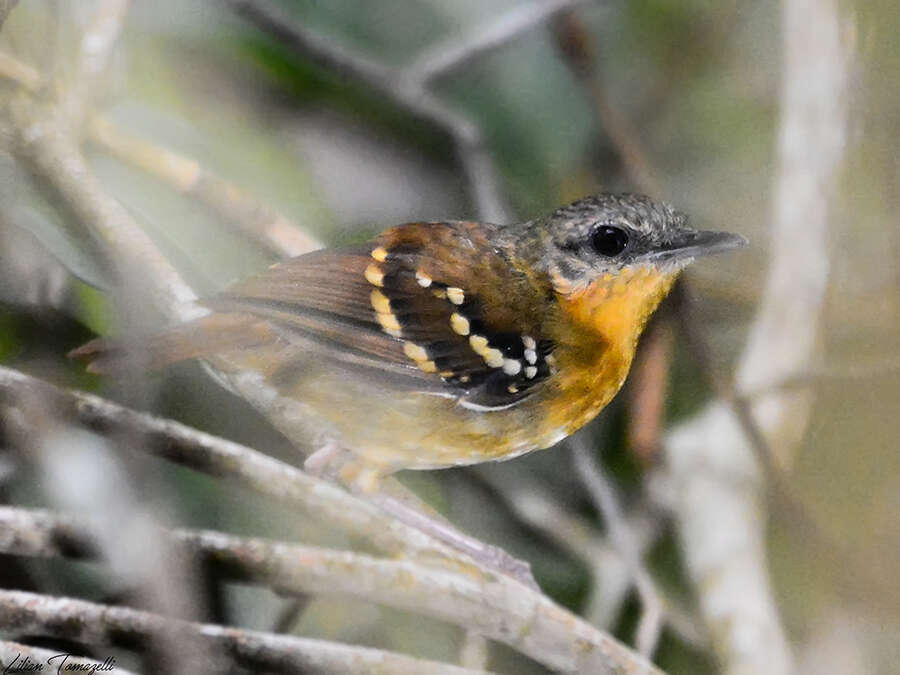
[[694, 243]]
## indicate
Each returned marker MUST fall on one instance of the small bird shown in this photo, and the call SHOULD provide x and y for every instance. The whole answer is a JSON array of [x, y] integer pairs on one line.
[[448, 343]]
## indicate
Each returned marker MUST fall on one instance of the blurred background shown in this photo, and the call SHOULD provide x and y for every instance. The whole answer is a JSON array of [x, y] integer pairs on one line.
[[684, 100]]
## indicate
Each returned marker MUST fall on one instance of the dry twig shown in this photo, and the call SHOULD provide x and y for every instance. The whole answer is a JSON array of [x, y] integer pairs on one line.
[[409, 95], [93, 623], [494, 605], [606, 502]]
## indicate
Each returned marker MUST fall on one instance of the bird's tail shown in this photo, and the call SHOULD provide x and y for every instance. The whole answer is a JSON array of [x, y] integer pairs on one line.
[[213, 334]]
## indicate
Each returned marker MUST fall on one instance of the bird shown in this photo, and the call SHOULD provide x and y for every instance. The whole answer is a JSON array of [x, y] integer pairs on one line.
[[442, 344]]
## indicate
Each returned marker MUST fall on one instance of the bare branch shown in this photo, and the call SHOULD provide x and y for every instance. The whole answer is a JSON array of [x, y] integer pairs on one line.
[[579, 51], [500, 609], [49, 150], [186, 175], [219, 457], [19, 658], [410, 96], [92, 60], [607, 503], [458, 51], [6, 6], [716, 477], [92, 623]]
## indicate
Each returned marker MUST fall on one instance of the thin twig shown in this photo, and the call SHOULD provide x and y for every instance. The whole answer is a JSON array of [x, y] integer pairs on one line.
[[93, 623], [92, 60], [453, 54], [408, 95], [232, 204], [229, 202], [606, 502], [611, 575], [50, 151], [577, 46]]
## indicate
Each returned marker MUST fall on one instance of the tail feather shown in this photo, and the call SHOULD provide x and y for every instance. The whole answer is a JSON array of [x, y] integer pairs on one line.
[[203, 337]]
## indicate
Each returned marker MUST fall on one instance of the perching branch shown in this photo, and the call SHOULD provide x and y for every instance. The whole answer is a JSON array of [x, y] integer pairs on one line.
[[492, 604], [292, 568], [88, 622]]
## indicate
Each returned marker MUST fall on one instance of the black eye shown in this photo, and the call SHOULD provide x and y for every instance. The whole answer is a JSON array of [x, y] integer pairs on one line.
[[608, 240]]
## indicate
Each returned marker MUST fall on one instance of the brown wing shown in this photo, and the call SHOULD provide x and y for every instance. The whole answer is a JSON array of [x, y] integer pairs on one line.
[[431, 305]]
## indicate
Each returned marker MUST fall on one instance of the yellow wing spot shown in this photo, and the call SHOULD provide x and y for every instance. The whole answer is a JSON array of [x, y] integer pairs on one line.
[[415, 352], [464, 379], [447, 373], [479, 343], [512, 389], [380, 254], [493, 357], [459, 324], [423, 279], [440, 293], [427, 366], [380, 302], [374, 275], [390, 324], [456, 295]]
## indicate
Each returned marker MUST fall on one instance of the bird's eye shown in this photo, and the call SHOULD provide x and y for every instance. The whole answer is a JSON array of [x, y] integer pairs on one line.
[[608, 240]]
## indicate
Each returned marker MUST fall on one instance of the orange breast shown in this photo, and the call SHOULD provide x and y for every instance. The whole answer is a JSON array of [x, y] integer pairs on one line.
[[596, 334]]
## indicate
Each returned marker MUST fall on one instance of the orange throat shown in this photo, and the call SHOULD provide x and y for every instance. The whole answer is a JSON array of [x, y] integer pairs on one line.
[[597, 338]]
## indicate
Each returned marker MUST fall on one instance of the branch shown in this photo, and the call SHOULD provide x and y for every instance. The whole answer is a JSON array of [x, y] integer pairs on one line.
[[51, 153], [93, 623], [408, 95], [500, 609], [233, 205], [450, 56], [92, 60], [716, 478], [493, 604], [222, 458], [19, 658], [6, 6], [607, 504], [579, 52]]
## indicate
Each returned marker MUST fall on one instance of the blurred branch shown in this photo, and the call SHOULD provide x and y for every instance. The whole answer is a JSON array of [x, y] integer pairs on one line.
[[93, 623], [716, 478], [6, 6], [452, 55], [187, 176], [576, 43], [647, 389], [229, 202], [19, 658], [92, 60], [498, 608], [606, 502], [611, 576], [49, 150], [408, 95], [219, 457]]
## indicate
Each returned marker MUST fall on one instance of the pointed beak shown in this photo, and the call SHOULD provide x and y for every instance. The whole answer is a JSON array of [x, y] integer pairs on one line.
[[694, 243]]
